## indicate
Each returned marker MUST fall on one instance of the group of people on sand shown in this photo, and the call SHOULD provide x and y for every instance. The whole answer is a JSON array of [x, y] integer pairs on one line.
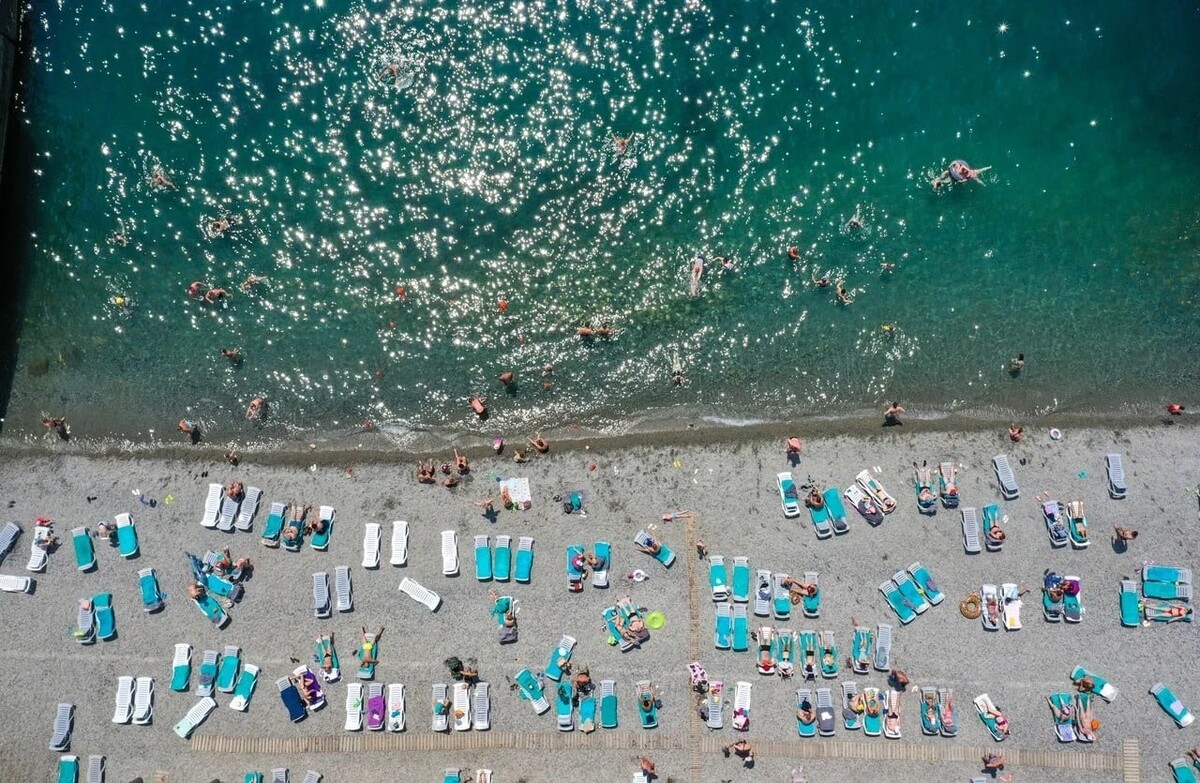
[[302, 522]]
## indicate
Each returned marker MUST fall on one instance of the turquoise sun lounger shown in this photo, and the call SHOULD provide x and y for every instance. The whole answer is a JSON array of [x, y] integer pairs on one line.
[[741, 580], [152, 597], [902, 608], [1103, 688], [647, 705], [908, 589], [524, 568], [85, 553], [320, 541], [664, 555], [718, 578], [274, 524], [531, 690], [106, 621], [804, 701], [1171, 705], [1131, 613], [483, 559], [608, 704], [926, 584], [1184, 771], [1161, 573], [837, 510], [741, 628], [502, 559], [68, 769], [574, 554], [820, 520], [127, 540]]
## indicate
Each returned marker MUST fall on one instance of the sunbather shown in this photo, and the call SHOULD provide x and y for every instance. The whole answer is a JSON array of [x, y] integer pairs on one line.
[[898, 680], [104, 529], [578, 561], [652, 547], [799, 590], [930, 708], [806, 713], [992, 607], [1085, 721], [996, 533], [1062, 714], [196, 591], [1194, 755], [368, 644], [872, 706], [317, 525], [810, 664], [325, 653], [815, 499], [1165, 612], [993, 762], [950, 477], [947, 714], [1085, 685], [306, 683], [424, 473], [442, 706], [646, 699], [1001, 720], [766, 664], [891, 721]]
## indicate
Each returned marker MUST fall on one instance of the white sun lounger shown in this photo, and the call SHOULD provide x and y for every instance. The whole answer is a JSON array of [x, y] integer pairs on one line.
[[8, 537], [354, 706], [441, 720], [245, 517], [462, 706], [1010, 596], [399, 542], [95, 769], [195, 716], [1115, 468], [449, 553], [37, 557], [229, 510], [483, 707], [716, 715], [279, 775], [143, 701], [883, 648], [64, 715], [245, 688], [342, 586], [312, 776], [826, 722], [320, 595], [970, 531], [371, 540], [395, 707], [15, 584], [212, 505], [413, 589], [741, 700], [123, 711], [763, 593], [1004, 475]]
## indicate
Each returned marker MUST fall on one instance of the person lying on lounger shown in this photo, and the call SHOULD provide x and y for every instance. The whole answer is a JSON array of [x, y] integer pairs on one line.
[[891, 721], [806, 713], [872, 706], [815, 499], [930, 708], [368, 644], [992, 607], [948, 710], [196, 591], [1001, 720], [996, 533], [799, 590], [324, 658], [1061, 714], [651, 547], [1164, 612]]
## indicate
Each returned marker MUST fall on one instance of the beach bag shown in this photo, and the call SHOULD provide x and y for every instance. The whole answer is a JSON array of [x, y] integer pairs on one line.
[[507, 635], [455, 666]]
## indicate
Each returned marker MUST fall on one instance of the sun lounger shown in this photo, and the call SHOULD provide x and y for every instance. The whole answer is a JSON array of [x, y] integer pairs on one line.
[[608, 704], [152, 598], [718, 578], [399, 543], [874, 707], [1072, 609], [249, 507], [903, 609], [862, 650], [195, 716], [320, 540], [826, 722], [829, 655], [322, 609], [1010, 598], [449, 553], [483, 558], [1064, 727], [208, 673], [376, 707], [1131, 615], [123, 709], [875, 491], [245, 688], [763, 593], [85, 553], [292, 543], [127, 540], [37, 557], [741, 628], [949, 712], [820, 519], [931, 722], [366, 669], [850, 718], [344, 588], [218, 585], [372, 537], [1183, 771], [811, 604], [85, 622], [664, 556], [274, 524], [1167, 591], [781, 599], [292, 702], [106, 621], [64, 718], [948, 484], [1004, 476], [181, 667], [741, 705], [713, 705], [610, 622], [574, 573], [68, 769], [279, 775], [809, 660], [837, 511], [723, 627], [231, 665], [95, 769], [986, 709], [461, 699], [647, 704], [1171, 705], [991, 521], [502, 559], [143, 701], [15, 584], [990, 597], [804, 701], [1103, 688], [925, 582], [212, 505], [354, 706], [1161, 573], [211, 609], [559, 656], [970, 531], [524, 569], [452, 775], [564, 710], [789, 496], [312, 776], [531, 689], [228, 513], [1115, 468], [923, 489], [864, 505], [910, 592], [892, 705], [783, 651], [482, 707], [395, 707], [741, 580], [422, 595], [603, 553]]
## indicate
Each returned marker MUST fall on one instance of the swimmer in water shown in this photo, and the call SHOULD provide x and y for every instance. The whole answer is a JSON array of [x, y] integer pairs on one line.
[[855, 222], [390, 72], [886, 266], [958, 171], [215, 295], [843, 295], [197, 289], [621, 145], [697, 273], [256, 409], [234, 355], [726, 262], [794, 253], [888, 328], [251, 281], [159, 180], [118, 238], [677, 376], [820, 282]]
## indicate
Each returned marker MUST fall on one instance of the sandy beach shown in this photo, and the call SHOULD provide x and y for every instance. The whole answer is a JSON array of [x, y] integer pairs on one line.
[[731, 488]]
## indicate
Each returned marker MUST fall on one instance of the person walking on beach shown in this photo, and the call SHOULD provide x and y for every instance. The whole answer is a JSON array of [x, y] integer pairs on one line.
[[1122, 536], [743, 749], [647, 767], [891, 416]]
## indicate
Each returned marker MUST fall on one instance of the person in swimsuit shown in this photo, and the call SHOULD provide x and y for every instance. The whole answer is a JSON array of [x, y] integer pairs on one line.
[[958, 171], [368, 644]]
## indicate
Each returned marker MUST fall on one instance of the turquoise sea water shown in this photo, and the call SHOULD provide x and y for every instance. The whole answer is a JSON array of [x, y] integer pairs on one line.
[[465, 153]]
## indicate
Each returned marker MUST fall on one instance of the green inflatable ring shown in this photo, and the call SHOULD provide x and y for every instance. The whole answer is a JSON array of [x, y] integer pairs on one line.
[[655, 621]]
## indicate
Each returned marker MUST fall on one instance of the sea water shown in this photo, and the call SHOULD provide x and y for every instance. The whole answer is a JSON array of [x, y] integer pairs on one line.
[[435, 193]]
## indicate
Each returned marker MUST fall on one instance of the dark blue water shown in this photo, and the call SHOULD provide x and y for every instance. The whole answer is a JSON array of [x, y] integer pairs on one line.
[[466, 155]]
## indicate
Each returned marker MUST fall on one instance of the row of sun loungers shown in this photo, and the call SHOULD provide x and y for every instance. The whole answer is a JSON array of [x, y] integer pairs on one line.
[[911, 592], [68, 769], [134, 701]]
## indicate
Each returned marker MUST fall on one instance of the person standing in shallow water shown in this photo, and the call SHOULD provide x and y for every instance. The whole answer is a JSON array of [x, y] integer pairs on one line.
[[891, 416]]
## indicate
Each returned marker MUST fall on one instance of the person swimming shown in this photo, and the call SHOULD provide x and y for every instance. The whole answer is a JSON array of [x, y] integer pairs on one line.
[[697, 273], [958, 171]]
